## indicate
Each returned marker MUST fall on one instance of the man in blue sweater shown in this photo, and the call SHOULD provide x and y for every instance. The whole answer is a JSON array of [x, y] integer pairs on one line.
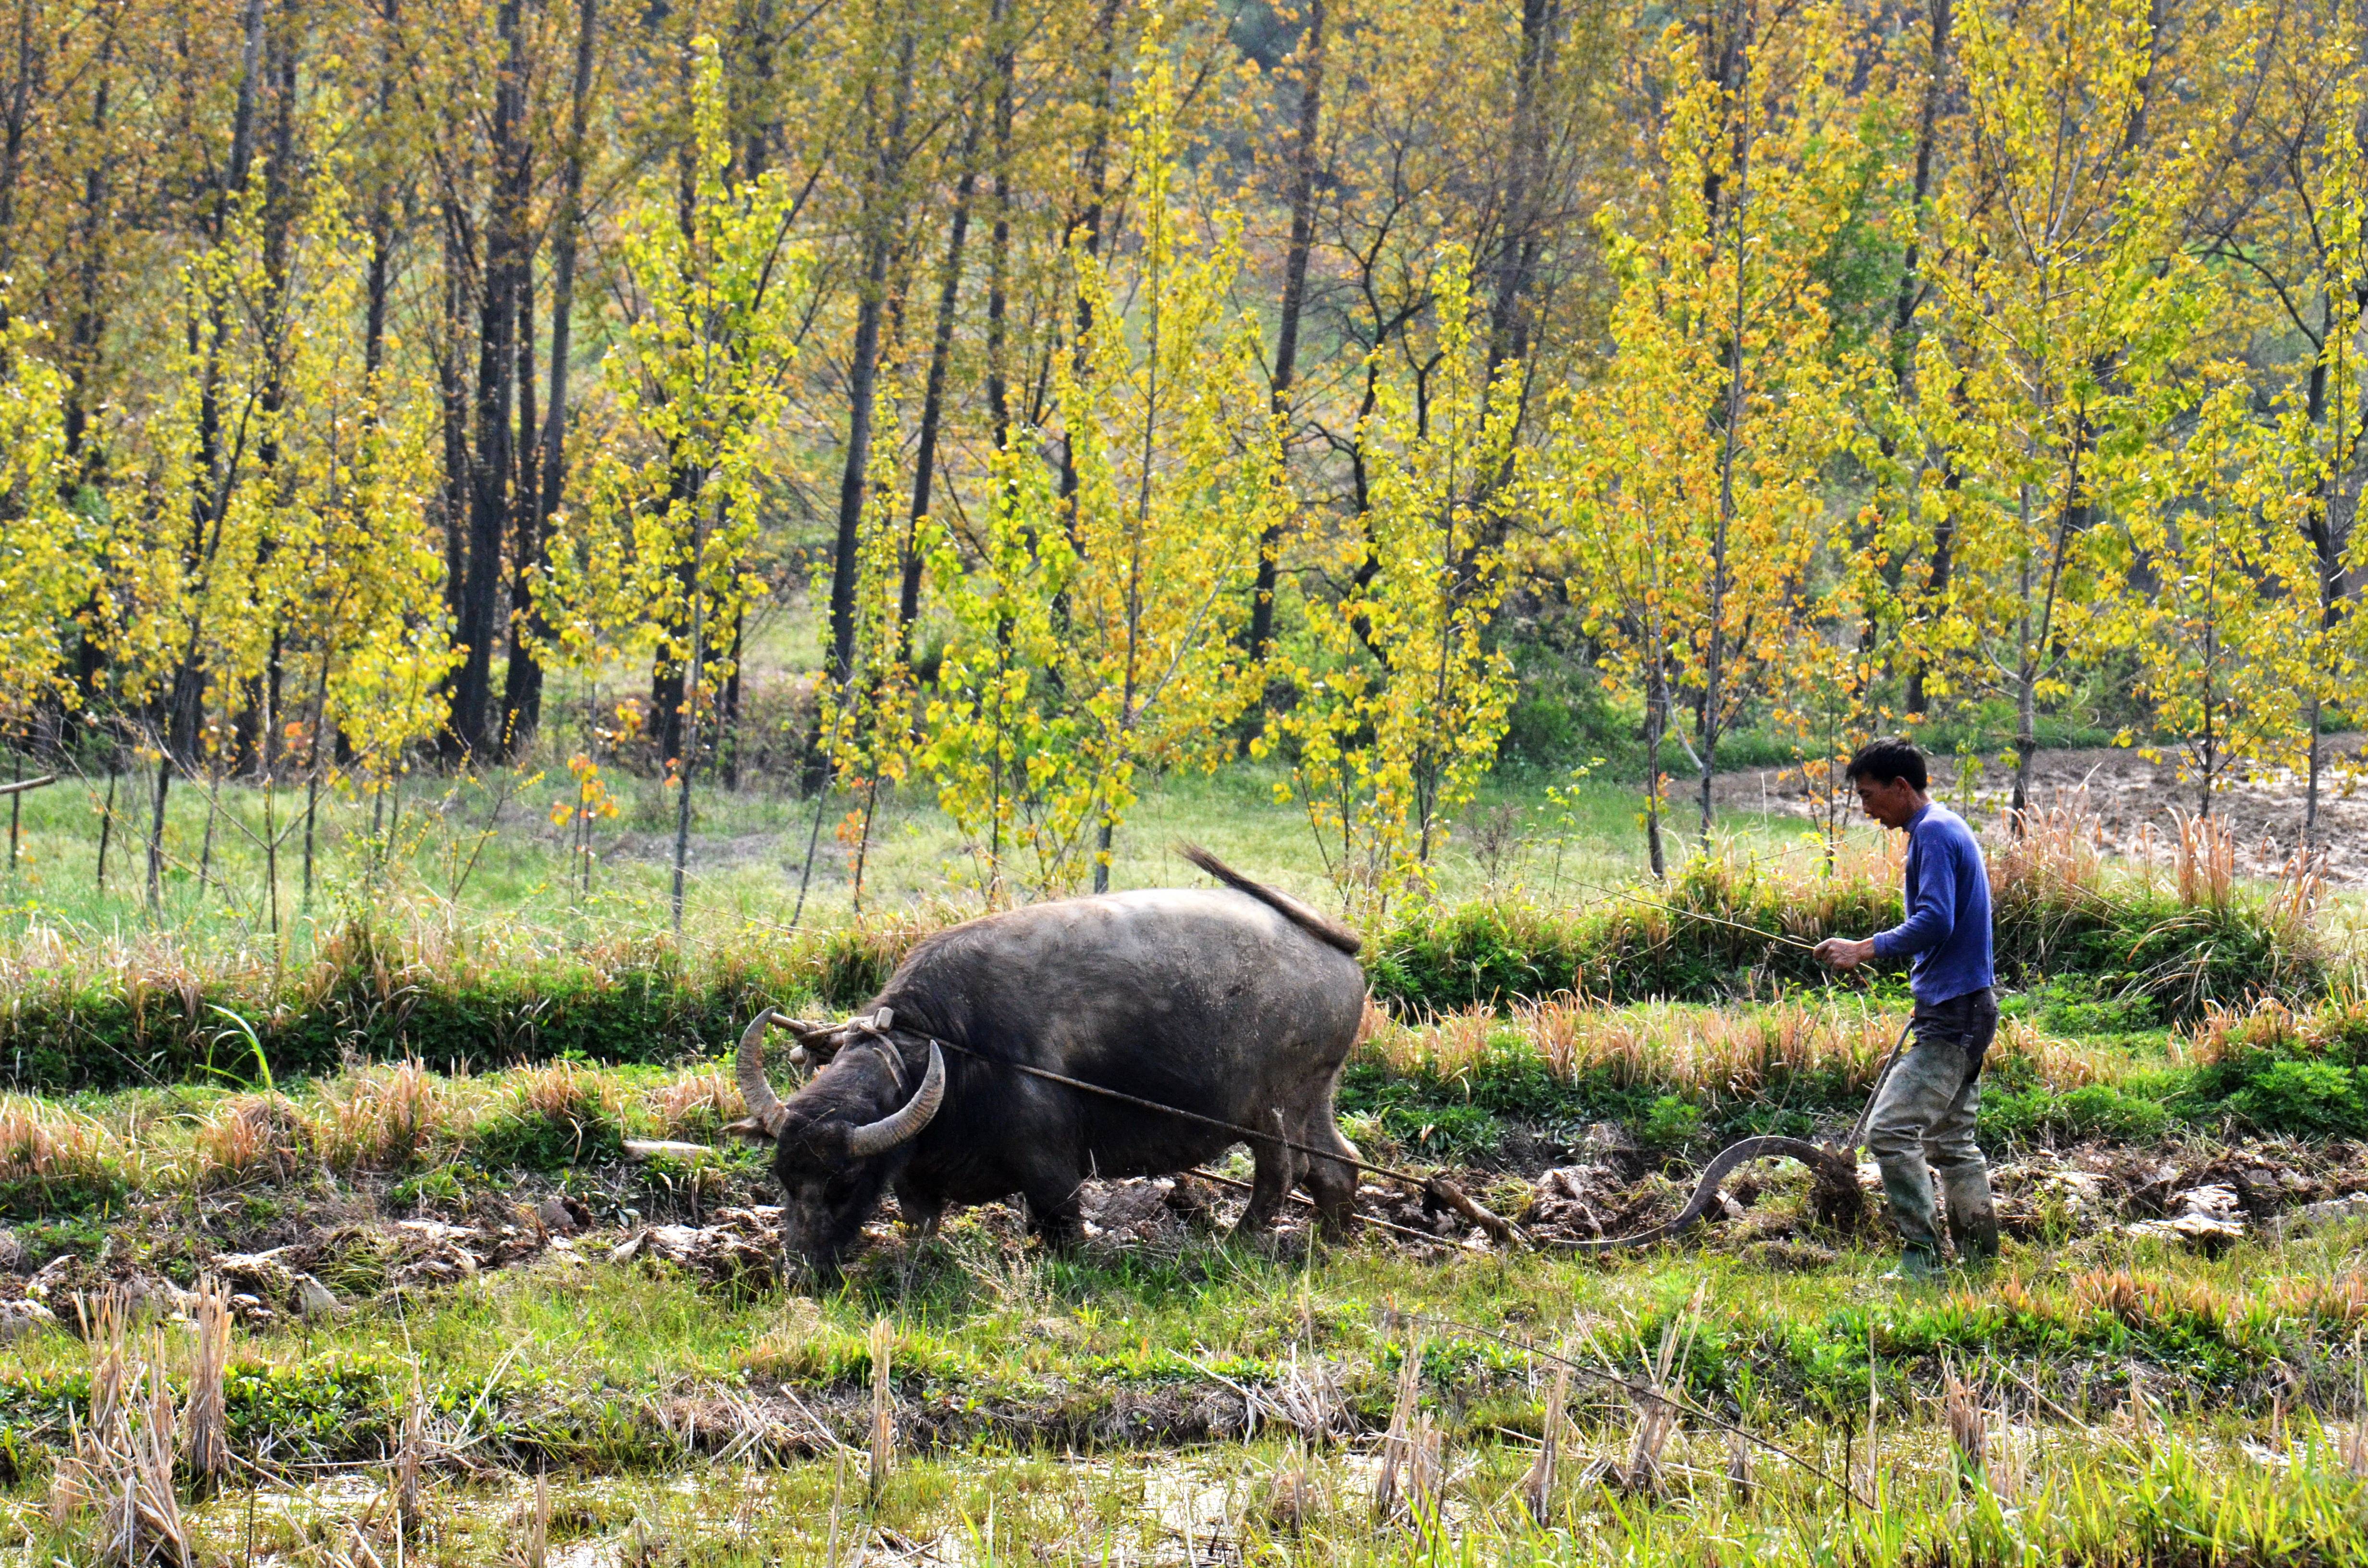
[[1924, 1112]]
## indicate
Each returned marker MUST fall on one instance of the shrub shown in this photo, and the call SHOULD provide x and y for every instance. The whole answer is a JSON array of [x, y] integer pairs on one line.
[[1670, 1123], [2280, 1072], [2303, 1097], [2092, 1110]]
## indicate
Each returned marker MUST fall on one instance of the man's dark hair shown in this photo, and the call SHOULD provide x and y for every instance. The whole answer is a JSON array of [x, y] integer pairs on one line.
[[1887, 760]]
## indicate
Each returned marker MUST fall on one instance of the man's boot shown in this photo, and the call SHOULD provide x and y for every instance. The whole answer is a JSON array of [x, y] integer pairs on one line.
[[1907, 1189], [1973, 1216]]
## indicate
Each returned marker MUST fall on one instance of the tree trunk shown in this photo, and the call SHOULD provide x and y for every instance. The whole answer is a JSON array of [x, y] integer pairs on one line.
[[1294, 299], [667, 688], [942, 346], [690, 726], [1090, 221], [522, 698], [86, 330], [251, 727], [178, 725], [522, 675], [998, 254], [863, 364], [2026, 698], [1909, 296], [451, 396], [15, 119], [491, 464], [1518, 250], [1714, 665], [727, 718], [2329, 524], [379, 279], [1656, 724]]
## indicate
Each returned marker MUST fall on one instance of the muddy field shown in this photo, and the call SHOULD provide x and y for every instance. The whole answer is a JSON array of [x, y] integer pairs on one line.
[[2137, 802], [346, 1246]]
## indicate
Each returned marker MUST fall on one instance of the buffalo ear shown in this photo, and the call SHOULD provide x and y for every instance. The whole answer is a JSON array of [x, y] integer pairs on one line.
[[752, 1129]]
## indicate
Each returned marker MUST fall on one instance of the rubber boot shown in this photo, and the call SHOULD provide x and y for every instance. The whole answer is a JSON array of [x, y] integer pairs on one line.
[[1908, 1192], [1973, 1216], [1916, 1265]]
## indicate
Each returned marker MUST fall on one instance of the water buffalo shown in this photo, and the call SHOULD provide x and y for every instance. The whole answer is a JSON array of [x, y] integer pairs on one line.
[[1238, 1002]]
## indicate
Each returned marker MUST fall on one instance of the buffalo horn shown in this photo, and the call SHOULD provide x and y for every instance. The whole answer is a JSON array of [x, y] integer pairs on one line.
[[755, 1092], [879, 1137]]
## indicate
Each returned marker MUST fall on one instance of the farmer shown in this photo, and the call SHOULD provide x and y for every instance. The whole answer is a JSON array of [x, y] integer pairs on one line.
[[1924, 1112]]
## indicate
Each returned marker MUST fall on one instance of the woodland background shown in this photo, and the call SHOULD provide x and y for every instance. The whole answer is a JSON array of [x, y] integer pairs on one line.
[[1007, 403]]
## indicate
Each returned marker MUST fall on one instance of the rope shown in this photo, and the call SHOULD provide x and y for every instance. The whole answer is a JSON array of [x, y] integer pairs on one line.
[[1437, 1187], [1443, 1190]]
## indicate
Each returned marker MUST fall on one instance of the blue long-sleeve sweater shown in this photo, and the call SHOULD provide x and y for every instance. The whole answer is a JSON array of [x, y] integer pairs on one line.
[[1947, 931]]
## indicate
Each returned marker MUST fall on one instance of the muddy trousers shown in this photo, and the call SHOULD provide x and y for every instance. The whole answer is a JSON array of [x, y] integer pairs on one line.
[[1924, 1116]]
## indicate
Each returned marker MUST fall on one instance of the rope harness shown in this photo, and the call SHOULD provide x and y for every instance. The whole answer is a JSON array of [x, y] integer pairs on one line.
[[1835, 1163]]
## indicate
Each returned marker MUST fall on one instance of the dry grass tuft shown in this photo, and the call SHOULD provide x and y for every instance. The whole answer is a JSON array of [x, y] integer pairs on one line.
[[2057, 859], [2292, 909], [1740, 1485], [408, 1453], [44, 1142], [384, 1118], [1656, 1413], [2340, 1301], [1446, 1048], [209, 1410], [697, 1104], [1968, 1429], [2267, 1024], [121, 1463], [248, 1137], [1308, 1397], [1704, 1048], [2148, 1301], [2206, 866], [536, 1550], [1407, 1485], [563, 1092], [1707, 1051], [1294, 1495], [2059, 1065]]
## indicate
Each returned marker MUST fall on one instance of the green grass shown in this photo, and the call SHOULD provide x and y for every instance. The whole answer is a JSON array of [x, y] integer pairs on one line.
[[2102, 1497], [1002, 1364], [463, 852]]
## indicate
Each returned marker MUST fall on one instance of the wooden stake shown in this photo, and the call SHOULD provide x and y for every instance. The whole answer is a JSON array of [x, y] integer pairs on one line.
[[1968, 1432], [1392, 1485], [1537, 1486], [407, 1465], [538, 1532], [883, 1427]]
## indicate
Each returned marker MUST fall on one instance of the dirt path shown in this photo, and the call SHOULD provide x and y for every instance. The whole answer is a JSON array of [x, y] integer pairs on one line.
[[2135, 800]]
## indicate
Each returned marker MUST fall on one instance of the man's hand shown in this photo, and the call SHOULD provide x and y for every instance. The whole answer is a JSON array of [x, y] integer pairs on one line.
[[1842, 953]]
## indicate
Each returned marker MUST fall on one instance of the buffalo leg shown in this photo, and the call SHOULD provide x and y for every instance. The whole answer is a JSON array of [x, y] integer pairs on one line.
[[1332, 1184], [1277, 1174], [1054, 1214], [921, 1214]]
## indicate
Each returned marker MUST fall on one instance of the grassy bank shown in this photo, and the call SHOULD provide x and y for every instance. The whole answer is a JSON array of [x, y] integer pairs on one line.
[[2136, 954], [1475, 1089]]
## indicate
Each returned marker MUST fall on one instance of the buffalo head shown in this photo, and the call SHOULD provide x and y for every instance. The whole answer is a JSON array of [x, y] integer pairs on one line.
[[837, 1140]]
